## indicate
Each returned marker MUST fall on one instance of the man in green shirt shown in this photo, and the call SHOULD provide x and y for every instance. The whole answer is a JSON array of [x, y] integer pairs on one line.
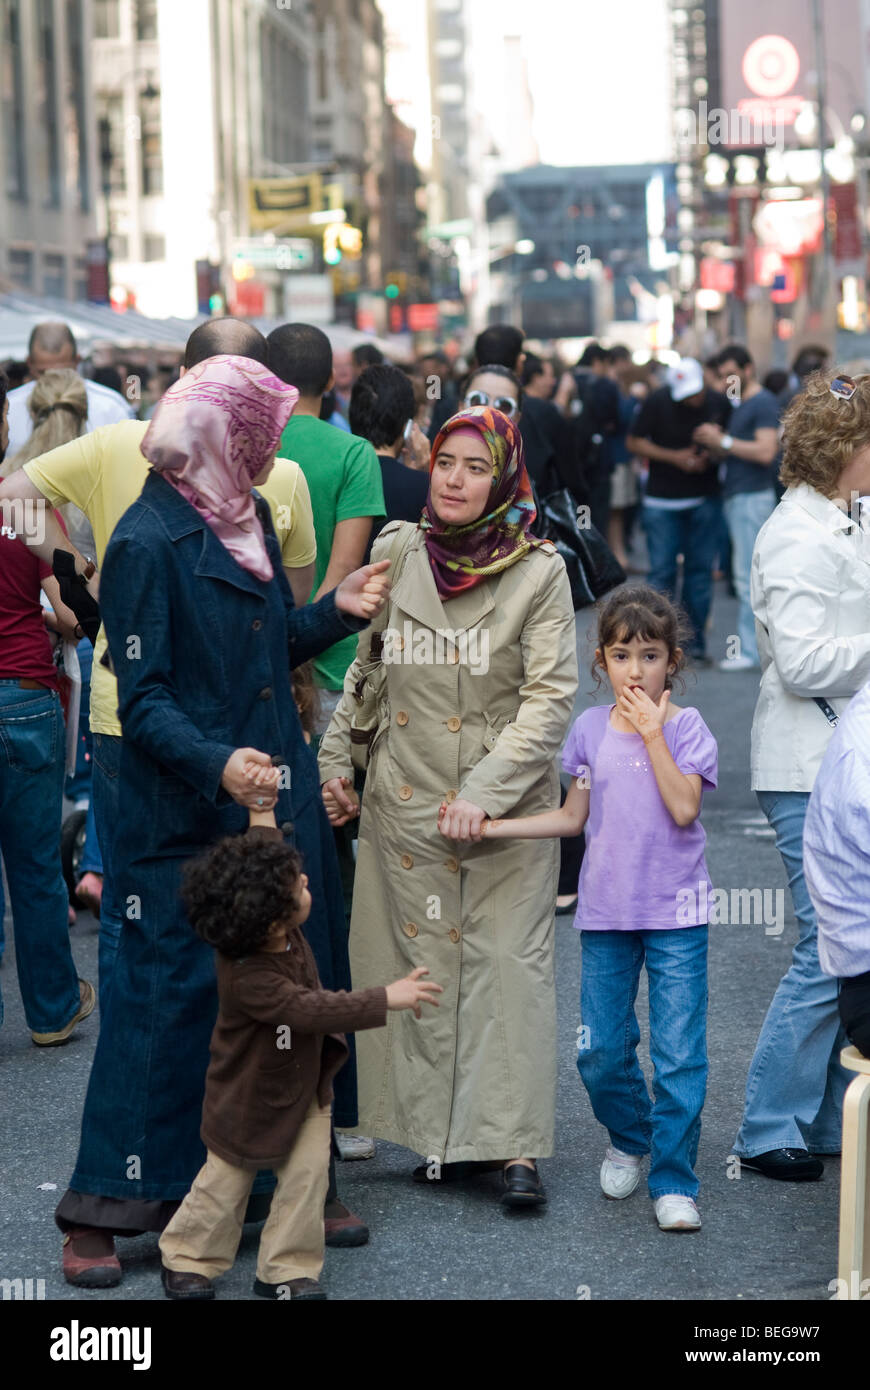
[[344, 479]]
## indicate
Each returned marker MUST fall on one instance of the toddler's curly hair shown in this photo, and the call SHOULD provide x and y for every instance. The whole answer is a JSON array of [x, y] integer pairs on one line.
[[236, 890]]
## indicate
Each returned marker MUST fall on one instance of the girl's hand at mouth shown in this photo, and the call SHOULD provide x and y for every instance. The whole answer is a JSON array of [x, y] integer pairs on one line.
[[644, 714]]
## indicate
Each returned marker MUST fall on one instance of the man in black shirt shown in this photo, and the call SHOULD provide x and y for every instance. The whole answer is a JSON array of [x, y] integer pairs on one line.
[[682, 510], [381, 405]]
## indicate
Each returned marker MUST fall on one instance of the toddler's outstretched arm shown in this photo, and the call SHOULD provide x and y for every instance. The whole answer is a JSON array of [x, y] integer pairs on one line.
[[564, 821]]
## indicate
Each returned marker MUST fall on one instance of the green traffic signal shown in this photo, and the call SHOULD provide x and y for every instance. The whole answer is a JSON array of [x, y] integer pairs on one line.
[[392, 291]]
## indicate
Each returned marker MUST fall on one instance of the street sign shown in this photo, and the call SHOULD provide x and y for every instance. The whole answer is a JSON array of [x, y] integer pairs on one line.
[[290, 253], [284, 202]]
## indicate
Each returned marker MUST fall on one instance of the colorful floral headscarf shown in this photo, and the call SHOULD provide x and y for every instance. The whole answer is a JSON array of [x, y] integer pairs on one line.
[[211, 434], [462, 556]]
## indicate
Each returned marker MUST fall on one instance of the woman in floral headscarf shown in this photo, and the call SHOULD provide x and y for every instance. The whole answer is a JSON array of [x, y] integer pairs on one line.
[[202, 633], [480, 663]]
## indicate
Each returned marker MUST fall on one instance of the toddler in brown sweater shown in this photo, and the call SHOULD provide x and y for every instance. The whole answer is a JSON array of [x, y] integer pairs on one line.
[[276, 1046]]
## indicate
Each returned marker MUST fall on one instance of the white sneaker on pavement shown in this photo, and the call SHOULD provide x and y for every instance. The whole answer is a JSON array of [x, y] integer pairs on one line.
[[738, 663], [677, 1213], [353, 1146], [620, 1173]]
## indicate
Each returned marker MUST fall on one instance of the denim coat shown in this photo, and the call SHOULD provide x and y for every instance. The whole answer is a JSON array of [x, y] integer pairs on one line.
[[203, 653]]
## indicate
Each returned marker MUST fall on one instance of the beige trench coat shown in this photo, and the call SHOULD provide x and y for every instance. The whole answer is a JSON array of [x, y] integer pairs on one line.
[[475, 1078]]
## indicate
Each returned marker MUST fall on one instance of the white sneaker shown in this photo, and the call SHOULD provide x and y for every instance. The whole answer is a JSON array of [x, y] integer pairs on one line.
[[352, 1146], [738, 663], [677, 1213], [620, 1173]]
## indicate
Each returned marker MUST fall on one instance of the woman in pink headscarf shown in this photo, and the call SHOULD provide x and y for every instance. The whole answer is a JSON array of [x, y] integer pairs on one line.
[[203, 634]]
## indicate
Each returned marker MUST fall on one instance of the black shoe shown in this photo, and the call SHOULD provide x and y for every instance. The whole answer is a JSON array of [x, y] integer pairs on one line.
[[293, 1288], [454, 1172], [522, 1187], [567, 908], [788, 1165], [179, 1284]]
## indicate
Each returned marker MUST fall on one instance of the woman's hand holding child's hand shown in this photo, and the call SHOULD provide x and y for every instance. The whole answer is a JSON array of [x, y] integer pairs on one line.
[[250, 778], [641, 712], [462, 821], [411, 992], [340, 801]]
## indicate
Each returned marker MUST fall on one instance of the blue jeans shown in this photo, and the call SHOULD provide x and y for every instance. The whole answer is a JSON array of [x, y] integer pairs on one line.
[[669, 1127], [694, 533], [32, 757], [795, 1087], [106, 801], [746, 513]]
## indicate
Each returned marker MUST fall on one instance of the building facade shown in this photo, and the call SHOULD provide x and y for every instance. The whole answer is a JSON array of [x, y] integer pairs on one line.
[[48, 162], [193, 100]]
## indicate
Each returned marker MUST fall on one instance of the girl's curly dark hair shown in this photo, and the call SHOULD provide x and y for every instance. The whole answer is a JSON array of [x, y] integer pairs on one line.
[[236, 891], [636, 610]]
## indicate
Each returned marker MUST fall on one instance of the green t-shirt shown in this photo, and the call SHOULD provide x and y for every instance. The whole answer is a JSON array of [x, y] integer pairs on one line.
[[344, 479]]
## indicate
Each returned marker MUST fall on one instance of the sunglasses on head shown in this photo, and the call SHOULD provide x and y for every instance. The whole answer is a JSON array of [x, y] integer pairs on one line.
[[506, 404], [843, 387]]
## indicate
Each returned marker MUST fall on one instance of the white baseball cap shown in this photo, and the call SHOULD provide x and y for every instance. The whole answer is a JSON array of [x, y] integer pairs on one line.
[[685, 379]]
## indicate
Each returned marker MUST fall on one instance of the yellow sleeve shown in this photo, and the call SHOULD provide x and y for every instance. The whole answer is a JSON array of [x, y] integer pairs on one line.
[[70, 473], [286, 492]]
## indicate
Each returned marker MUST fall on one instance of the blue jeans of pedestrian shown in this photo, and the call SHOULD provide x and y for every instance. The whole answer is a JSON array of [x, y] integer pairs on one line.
[[106, 801], [694, 534], [746, 513], [32, 758], [668, 1126], [796, 1083]]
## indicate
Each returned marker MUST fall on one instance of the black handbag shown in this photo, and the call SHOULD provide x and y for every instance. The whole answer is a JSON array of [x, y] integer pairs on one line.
[[593, 569]]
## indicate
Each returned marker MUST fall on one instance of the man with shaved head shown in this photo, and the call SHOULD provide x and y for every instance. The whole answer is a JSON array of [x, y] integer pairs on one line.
[[53, 345]]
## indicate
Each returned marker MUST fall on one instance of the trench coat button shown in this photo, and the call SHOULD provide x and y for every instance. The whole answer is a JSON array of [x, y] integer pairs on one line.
[[453, 934], [410, 929], [454, 724], [407, 861], [399, 644], [287, 827], [256, 624], [405, 793], [454, 655], [451, 796], [265, 693], [402, 718], [452, 864]]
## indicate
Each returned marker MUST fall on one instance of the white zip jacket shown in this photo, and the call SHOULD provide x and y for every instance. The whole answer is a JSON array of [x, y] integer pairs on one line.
[[811, 600]]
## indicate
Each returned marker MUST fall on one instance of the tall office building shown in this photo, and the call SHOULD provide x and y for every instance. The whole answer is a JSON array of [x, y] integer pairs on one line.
[[48, 169], [193, 99]]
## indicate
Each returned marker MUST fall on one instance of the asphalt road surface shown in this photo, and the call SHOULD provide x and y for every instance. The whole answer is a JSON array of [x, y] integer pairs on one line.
[[760, 1239]]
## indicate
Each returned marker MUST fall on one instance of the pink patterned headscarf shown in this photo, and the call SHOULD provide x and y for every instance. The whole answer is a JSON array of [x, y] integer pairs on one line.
[[211, 434]]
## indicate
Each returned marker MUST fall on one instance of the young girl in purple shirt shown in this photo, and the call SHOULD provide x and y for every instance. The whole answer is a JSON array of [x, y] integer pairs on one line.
[[639, 769]]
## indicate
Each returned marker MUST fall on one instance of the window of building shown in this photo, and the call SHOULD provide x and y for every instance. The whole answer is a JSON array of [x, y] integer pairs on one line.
[[154, 247], [13, 105], [76, 119], [146, 19], [151, 145], [110, 124], [282, 69], [119, 247], [48, 81], [107, 19], [20, 263], [54, 275], [80, 278]]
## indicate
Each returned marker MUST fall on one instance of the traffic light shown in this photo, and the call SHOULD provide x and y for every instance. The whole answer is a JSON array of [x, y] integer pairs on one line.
[[392, 291], [331, 248]]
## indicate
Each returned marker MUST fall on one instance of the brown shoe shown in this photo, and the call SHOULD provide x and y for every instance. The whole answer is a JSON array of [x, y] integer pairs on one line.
[[343, 1229], [293, 1288], [87, 1004], [89, 1259], [179, 1283]]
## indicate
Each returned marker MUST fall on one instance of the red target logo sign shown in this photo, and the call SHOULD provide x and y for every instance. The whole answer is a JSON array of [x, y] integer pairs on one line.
[[771, 65]]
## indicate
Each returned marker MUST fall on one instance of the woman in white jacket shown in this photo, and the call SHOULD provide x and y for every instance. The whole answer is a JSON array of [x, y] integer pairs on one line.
[[811, 600]]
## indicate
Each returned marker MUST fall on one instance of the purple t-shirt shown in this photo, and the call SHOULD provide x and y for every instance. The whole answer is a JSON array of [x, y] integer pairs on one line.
[[641, 871]]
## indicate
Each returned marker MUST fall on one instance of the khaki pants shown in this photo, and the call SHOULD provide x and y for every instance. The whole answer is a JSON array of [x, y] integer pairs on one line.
[[203, 1235]]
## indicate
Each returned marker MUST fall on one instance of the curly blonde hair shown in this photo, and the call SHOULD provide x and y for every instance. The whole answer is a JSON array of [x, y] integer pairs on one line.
[[822, 432]]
